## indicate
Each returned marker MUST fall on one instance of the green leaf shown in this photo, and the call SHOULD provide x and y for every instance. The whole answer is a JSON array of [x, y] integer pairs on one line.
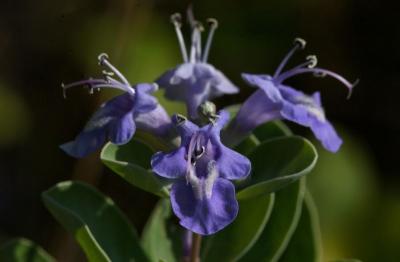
[[276, 163], [102, 230], [281, 225], [233, 242], [305, 244], [155, 239], [132, 163], [247, 145], [23, 250], [271, 130], [346, 260], [233, 110]]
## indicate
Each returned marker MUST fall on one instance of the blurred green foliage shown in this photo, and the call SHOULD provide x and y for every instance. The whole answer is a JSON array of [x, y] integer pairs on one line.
[[15, 119]]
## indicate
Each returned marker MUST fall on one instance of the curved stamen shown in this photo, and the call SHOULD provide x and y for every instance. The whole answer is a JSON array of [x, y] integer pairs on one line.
[[317, 70], [213, 26], [179, 119], [176, 19], [310, 63], [299, 43], [103, 61], [92, 84], [199, 151]]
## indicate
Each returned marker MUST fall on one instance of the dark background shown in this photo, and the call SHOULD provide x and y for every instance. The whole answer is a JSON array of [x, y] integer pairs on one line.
[[46, 42]]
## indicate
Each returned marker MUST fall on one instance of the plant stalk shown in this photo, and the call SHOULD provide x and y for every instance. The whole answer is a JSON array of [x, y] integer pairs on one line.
[[196, 245]]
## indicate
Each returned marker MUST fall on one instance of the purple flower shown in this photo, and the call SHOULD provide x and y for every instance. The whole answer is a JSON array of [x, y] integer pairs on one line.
[[274, 100], [115, 120], [195, 81], [202, 197]]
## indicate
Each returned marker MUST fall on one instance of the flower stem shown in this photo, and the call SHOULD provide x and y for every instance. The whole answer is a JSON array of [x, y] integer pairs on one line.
[[195, 252]]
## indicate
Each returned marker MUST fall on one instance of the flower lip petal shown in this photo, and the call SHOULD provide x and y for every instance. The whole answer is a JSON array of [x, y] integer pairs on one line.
[[266, 83], [222, 85], [84, 144], [184, 71], [222, 120], [144, 101], [114, 121], [231, 164], [206, 216], [255, 79], [327, 135], [170, 165], [313, 117], [185, 128], [122, 131]]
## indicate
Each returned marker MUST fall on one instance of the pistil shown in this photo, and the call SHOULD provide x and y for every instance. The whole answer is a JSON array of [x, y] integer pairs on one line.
[[317, 70]]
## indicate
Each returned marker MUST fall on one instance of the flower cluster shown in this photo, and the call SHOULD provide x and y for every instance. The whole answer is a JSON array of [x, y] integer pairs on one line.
[[201, 167]]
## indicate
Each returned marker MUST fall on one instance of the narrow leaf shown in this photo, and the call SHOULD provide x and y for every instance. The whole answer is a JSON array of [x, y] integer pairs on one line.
[[276, 163], [281, 225], [155, 239], [271, 130], [233, 242], [132, 163], [23, 250], [102, 230], [305, 244]]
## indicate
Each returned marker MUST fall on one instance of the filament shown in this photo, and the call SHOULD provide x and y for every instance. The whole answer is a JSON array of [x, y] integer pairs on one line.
[[176, 20], [299, 43], [213, 26], [93, 84], [104, 62]]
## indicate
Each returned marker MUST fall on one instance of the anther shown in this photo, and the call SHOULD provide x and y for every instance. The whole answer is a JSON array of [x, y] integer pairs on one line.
[[102, 57], [180, 119], [199, 153], [156, 86], [176, 19], [64, 90], [312, 60], [300, 42], [212, 22], [199, 26], [107, 75]]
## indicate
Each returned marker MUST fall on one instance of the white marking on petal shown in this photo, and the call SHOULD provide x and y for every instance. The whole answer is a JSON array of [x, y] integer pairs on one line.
[[211, 177], [98, 122], [311, 106], [195, 182]]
